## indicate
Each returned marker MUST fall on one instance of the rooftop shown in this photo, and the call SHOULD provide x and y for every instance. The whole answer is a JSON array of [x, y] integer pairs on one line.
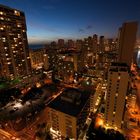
[[11, 9], [116, 67], [16, 105], [119, 64], [71, 101]]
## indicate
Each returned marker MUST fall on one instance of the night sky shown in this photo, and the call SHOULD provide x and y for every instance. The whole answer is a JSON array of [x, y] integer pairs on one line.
[[49, 20]]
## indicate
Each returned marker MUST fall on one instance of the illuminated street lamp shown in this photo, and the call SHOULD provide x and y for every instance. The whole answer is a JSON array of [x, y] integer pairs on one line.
[[99, 122]]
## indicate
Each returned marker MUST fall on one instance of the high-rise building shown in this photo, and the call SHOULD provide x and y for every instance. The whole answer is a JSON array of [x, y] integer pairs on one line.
[[127, 40], [109, 44], [14, 51], [88, 50], [67, 65], [39, 58], [118, 81], [90, 43], [95, 42], [79, 44], [52, 53], [36, 57], [71, 43], [61, 43], [81, 60], [67, 114], [101, 44], [53, 45]]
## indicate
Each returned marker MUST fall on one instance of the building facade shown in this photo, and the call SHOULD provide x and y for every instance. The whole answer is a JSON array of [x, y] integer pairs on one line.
[[39, 59], [14, 51], [118, 82], [67, 114], [126, 42], [101, 44], [95, 43]]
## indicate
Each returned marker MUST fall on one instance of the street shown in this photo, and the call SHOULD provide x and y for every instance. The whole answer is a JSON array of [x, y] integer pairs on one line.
[[133, 116]]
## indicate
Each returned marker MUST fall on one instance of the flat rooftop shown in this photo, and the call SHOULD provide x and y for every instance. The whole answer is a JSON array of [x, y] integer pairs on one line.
[[119, 64], [71, 101], [9, 8]]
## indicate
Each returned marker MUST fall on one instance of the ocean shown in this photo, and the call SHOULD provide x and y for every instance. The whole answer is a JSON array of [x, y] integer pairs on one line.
[[36, 46]]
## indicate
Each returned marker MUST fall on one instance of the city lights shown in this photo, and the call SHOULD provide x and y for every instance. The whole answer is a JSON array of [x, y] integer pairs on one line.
[[63, 81]]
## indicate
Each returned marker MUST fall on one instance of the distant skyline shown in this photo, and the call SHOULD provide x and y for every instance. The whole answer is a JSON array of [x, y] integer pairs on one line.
[[49, 20]]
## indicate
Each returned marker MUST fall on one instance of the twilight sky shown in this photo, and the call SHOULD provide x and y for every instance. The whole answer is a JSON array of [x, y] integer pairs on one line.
[[49, 20]]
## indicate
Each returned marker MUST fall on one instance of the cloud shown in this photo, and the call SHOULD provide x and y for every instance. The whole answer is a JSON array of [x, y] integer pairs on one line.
[[89, 27], [81, 30]]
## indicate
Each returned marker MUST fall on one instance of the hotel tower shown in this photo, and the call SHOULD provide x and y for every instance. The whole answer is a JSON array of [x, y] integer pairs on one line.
[[14, 51]]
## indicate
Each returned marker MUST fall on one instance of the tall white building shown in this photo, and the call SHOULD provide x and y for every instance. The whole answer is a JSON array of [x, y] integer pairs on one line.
[[118, 80]]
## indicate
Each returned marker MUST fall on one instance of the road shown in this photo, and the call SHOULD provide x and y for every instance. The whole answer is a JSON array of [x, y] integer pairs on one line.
[[82, 135], [28, 132], [137, 83], [134, 112], [41, 118], [5, 135]]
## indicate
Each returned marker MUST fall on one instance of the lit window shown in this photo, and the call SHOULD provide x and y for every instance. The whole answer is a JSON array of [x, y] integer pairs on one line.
[[19, 36], [1, 28], [8, 19], [1, 13], [116, 94], [114, 113], [18, 25], [3, 39], [15, 39], [1, 18], [17, 13], [9, 63], [119, 77]]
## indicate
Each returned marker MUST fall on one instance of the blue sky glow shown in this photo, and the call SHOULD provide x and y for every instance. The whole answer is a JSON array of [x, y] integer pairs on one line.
[[49, 20]]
